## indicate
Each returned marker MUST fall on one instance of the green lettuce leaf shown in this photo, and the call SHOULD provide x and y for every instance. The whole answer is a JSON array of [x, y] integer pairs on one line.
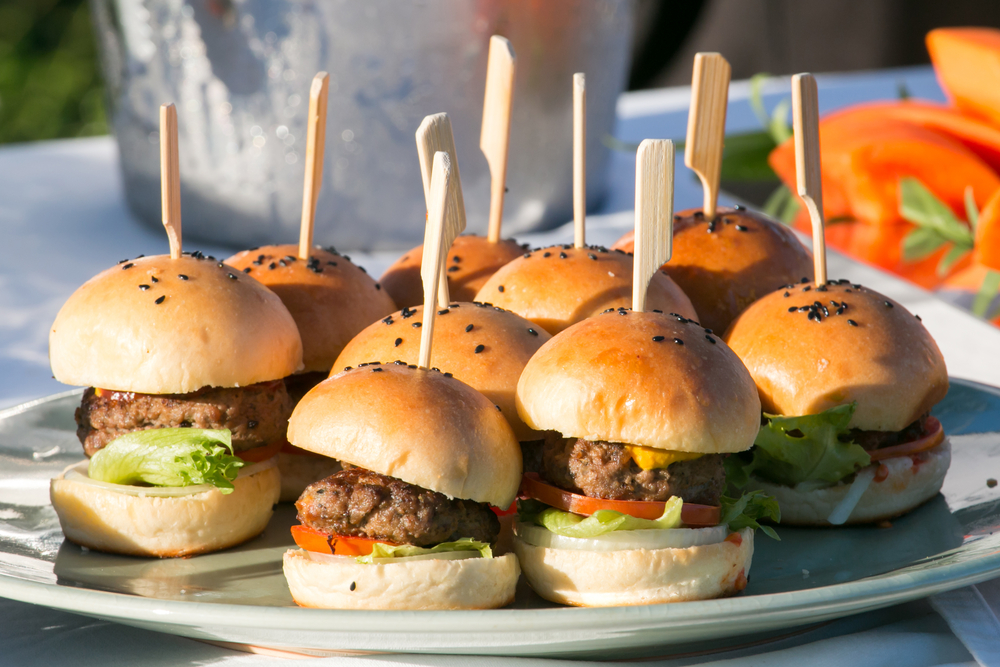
[[406, 550], [603, 521], [744, 512], [793, 450], [169, 457]]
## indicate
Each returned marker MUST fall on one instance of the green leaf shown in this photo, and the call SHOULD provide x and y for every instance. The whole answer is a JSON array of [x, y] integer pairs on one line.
[[987, 290], [169, 457], [971, 210], [745, 511], [744, 157], [954, 254], [778, 126], [757, 97], [781, 205], [406, 550], [902, 90], [921, 242], [919, 205], [602, 521], [792, 450]]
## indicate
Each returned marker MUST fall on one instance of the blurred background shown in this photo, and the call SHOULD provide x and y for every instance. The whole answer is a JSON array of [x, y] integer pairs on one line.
[[51, 87]]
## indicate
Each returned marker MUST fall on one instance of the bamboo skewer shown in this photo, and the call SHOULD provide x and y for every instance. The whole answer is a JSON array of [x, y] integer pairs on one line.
[[707, 125], [654, 214], [494, 139], [579, 160], [170, 178], [805, 119], [433, 135], [315, 146], [437, 238]]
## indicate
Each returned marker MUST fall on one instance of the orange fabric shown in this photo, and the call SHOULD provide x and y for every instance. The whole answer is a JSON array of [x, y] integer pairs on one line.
[[967, 62]]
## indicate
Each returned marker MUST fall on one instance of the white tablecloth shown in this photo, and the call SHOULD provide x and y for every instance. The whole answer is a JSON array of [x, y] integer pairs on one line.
[[63, 218]]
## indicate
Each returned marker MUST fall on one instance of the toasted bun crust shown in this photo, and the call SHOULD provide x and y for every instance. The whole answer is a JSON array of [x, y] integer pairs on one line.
[[209, 331], [419, 426], [106, 520], [607, 379], [477, 260], [888, 363], [636, 576], [470, 583], [493, 371], [330, 304], [725, 271], [568, 286], [300, 470], [909, 484]]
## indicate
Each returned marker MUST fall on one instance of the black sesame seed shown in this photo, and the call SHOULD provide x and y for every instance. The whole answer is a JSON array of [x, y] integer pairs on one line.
[[378, 286], [792, 309], [841, 310], [918, 318], [354, 585], [532, 332], [399, 341], [246, 270], [741, 228], [787, 294], [479, 348], [443, 311], [678, 341], [416, 325], [331, 263], [499, 288], [657, 339], [128, 266], [847, 290], [387, 320], [452, 269], [657, 311], [547, 254], [348, 258], [144, 287], [888, 304], [231, 276], [710, 339], [708, 331], [852, 323], [122, 261], [161, 300], [449, 375], [377, 369], [281, 262], [399, 362], [622, 311], [347, 368], [469, 328], [154, 279], [184, 277], [272, 265], [497, 407], [413, 366], [563, 255], [526, 255], [406, 312], [456, 258], [591, 255], [806, 288]]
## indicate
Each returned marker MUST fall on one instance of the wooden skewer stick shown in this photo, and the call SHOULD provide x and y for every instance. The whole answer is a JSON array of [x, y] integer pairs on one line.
[[707, 124], [170, 178], [433, 135], [315, 146], [436, 240], [579, 160], [805, 120], [654, 214], [494, 138]]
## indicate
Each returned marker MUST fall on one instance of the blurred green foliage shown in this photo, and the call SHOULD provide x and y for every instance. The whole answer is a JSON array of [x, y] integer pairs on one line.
[[50, 83]]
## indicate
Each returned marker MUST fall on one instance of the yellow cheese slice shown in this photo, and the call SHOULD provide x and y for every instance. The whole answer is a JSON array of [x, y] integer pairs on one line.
[[649, 458]]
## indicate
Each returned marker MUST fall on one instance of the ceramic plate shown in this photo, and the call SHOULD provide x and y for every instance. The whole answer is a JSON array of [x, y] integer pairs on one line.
[[239, 595]]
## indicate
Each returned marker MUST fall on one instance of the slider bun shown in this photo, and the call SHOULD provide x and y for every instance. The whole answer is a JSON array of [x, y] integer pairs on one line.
[[725, 271], [636, 576], [468, 583], [606, 379], [416, 425], [478, 259], [494, 371], [888, 363], [329, 307], [555, 292], [103, 519], [209, 331], [908, 486]]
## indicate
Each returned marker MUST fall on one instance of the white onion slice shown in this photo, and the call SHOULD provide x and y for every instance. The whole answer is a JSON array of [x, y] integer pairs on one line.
[[78, 473], [623, 540], [445, 555], [842, 512]]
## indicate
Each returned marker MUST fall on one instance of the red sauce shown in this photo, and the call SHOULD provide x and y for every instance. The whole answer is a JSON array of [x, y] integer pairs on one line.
[[735, 538], [741, 580], [881, 473]]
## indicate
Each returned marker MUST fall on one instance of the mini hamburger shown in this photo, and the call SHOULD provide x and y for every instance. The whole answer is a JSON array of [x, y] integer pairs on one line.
[[161, 343], [331, 299], [407, 524], [725, 264], [628, 507], [560, 285], [847, 378]]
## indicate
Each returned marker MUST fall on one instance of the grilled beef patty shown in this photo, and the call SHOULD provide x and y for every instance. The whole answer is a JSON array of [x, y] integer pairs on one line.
[[257, 415], [605, 470], [361, 503], [872, 440]]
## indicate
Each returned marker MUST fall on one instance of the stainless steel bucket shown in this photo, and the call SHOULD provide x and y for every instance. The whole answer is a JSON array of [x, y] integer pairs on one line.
[[239, 72]]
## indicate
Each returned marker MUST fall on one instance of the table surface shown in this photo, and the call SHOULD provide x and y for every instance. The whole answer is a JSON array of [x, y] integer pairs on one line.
[[63, 218]]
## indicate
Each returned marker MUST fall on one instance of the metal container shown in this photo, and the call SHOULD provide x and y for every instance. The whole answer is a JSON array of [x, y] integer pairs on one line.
[[239, 72]]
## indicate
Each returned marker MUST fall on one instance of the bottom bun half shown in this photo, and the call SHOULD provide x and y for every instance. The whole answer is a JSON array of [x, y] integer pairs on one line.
[[469, 583], [300, 470], [636, 576], [103, 519], [911, 481]]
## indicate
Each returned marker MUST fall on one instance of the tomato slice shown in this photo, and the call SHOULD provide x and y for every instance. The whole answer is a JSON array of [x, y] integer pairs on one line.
[[505, 512], [262, 453], [695, 516], [311, 539], [934, 437]]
